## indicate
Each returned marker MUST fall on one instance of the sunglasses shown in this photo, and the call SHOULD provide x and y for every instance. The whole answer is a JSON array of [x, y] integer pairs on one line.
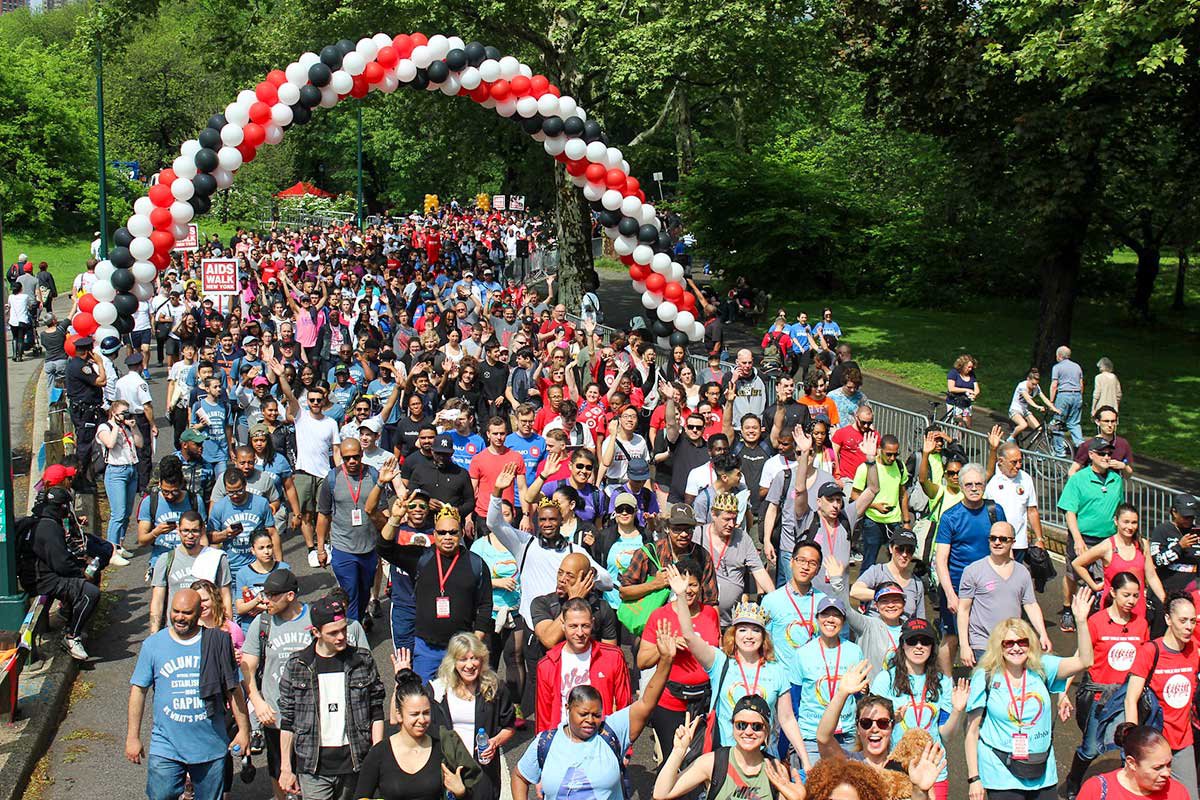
[[583, 467], [695, 427], [920, 641], [741, 725], [626, 510], [1022, 643], [417, 505], [951, 473], [882, 723], [906, 549], [1000, 539]]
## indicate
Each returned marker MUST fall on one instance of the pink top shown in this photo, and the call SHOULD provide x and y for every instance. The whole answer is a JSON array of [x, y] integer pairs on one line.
[[1136, 565]]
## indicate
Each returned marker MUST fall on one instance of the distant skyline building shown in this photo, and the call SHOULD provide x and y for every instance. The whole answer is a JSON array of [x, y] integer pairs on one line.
[[35, 6]]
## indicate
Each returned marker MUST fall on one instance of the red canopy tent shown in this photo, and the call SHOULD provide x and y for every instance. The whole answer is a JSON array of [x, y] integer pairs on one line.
[[301, 189]]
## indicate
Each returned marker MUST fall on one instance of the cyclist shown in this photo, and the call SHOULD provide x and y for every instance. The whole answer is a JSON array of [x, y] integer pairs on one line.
[[1024, 402]]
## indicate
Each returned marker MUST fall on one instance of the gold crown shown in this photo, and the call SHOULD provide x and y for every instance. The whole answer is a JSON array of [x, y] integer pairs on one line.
[[750, 612], [725, 501], [547, 502], [447, 510]]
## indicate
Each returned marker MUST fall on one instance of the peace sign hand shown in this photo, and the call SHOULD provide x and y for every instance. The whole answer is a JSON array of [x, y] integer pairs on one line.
[[686, 732]]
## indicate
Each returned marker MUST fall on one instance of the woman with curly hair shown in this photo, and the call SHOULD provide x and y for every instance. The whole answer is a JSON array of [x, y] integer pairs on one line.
[[962, 387]]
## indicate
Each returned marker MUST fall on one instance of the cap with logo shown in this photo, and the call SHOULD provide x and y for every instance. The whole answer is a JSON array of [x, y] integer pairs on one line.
[[1098, 444], [888, 589], [638, 469], [443, 444], [828, 603], [193, 435], [916, 628], [372, 424], [325, 611], [56, 474], [1186, 505], [681, 514], [830, 489], [902, 537]]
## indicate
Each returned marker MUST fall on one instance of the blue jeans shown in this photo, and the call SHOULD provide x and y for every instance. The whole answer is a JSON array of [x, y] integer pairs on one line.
[[426, 659], [1071, 406], [56, 371], [120, 484], [355, 572], [165, 778], [404, 611], [783, 569], [874, 534]]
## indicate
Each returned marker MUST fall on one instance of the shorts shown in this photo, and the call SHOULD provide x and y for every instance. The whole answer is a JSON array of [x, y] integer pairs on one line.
[[947, 621], [957, 412], [307, 487], [1088, 541], [274, 752], [140, 338], [171, 346]]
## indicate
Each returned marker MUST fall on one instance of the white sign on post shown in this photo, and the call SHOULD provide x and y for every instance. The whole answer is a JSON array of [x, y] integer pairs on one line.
[[658, 176], [516, 202], [498, 202], [191, 242], [219, 277]]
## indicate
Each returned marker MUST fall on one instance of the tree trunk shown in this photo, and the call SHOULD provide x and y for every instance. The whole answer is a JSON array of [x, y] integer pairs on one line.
[[574, 246], [1060, 278], [1149, 257], [739, 125], [684, 149], [1180, 273]]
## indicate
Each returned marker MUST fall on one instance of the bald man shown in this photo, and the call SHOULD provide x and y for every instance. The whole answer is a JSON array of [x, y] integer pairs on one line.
[[190, 736], [576, 578], [993, 589], [751, 397], [343, 521]]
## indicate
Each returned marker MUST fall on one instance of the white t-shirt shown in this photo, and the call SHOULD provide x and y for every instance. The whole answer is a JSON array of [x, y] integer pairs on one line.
[[1018, 405], [331, 690], [574, 671], [701, 477], [462, 717], [83, 282], [579, 435], [1016, 496], [18, 308], [141, 317], [132, 388], [315, 439], [773, 466], [178, 375]]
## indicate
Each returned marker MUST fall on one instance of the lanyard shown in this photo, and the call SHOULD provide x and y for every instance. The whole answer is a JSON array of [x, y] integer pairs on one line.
[[919, 710], [712, 547], [832, 679], [812, 610], [828, 536], [745, 682], [1018, 709], [356, 492], [445, 576]]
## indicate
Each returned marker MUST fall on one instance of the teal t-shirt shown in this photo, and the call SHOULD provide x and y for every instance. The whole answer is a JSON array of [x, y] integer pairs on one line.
[[793, 622], [914, 709], [772, 682], [503, 565], [820, 669], [619, 556], [1094, 501], [183, 731]]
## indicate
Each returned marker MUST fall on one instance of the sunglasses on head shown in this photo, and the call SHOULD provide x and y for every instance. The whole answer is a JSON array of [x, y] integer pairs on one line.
[[882, 723], [741, 725], [1023, 643]]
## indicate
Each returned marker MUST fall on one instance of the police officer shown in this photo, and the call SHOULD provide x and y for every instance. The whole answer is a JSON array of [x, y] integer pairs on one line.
[[132, 388], [85, 396], [110, 346]]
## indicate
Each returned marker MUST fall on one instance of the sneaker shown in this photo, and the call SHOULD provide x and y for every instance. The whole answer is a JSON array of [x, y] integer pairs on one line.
[[374, 608], [146, 374], [74, 646], [256, 743], [123, 553], [312, 558], [519, 723], [149, 573], [119, 560], [856, 558], [1066, 622]]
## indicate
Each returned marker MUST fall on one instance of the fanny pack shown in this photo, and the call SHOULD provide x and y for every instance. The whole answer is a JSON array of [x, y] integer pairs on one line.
[[1026, 769]]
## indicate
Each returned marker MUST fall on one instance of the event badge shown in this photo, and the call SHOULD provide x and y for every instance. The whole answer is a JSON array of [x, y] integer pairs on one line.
[[356, 516], [443, 607], [1020, 746]]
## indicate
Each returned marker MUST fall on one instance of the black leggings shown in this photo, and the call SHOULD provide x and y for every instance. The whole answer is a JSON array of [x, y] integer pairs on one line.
[[514, 658], [664, 723]]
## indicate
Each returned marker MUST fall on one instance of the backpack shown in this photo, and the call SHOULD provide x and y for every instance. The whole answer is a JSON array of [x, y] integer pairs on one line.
[[98, 460], [546, 738], [26, 558], [264, 633], [771, 363], [154, 496]]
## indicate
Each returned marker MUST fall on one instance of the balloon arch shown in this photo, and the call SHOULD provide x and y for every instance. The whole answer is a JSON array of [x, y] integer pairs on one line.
[[287, 97]]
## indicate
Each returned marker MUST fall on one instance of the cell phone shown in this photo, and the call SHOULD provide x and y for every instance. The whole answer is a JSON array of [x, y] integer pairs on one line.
[[236, 527]]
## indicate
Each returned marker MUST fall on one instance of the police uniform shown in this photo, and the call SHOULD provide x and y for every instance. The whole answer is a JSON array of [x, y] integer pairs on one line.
[[84, 398], [132, 388]]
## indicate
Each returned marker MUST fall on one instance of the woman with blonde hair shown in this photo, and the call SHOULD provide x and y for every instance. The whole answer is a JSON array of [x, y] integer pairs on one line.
[[214, 614], [1009, 751]]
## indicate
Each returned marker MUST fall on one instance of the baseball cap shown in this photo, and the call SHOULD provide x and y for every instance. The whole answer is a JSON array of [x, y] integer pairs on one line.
[[624, 499], [110, 344], [260, 381], [249, 340], [888, 589], [917, 627], [325, 611], [56, 474], [830, 489], [903, 536], [681, 514], [1185, 504], [371, 424], [259, 429], [340, 368], [639, 469], [1098, 444], [193, 435], [280, 581], [443, 444], [828, 603]]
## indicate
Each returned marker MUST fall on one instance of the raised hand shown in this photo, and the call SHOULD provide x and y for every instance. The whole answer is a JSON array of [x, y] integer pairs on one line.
[[1081, 603], [783, 779], [666, 642], [931, 441], [995, 437], [803, 440], [960, 694], [925, 769], [401, 659], [677, 582], [686, 732], [869, 446], [833, 567], [389, 470], [505, 479], [553, 463], [855, 680]]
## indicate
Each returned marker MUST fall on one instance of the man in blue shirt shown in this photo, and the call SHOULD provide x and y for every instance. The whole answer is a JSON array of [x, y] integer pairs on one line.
[[962, 539], [189, 737], [238, 515], [798, 332], [467, 443], [528, 442], [341, 394], [1066, 392]]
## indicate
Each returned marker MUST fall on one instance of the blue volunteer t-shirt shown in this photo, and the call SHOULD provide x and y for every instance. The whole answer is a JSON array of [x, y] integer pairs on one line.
[[166, 512], [182, 730], [914, 709], [278, 468], [214, 447], [383, 391], [249, 578], [580, 770], [1026, 701], [792, 625], [772, 682], [820, 668], [255, 514], [342, 397], [466, 448], [966, 531], [531, 450]]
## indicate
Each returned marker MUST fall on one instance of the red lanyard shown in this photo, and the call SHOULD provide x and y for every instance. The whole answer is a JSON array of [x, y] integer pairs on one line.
[[745, 682], [828, 537], [712, 547], [355, 492], [918, 710], [1018, 709], [812, 610], [833, 679], [444, 576]]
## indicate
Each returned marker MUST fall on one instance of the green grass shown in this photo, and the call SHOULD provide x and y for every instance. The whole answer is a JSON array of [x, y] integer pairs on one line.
[[1157, 363]]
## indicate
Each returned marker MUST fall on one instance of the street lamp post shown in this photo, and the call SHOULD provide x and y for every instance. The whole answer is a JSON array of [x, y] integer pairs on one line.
[[12, 599], [100, 148], [360, 187]]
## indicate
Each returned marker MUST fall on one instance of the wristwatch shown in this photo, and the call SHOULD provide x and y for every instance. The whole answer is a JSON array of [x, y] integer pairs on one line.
[[972, 779]]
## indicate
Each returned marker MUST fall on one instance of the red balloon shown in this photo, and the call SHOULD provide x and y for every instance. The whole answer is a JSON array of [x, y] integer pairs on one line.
[[360, 87], [631, 186], [638, 272], [387, 56], [248, 152], [562, 157], [655, 282], [614, 179], [596, 173], [462, 92], [627, 260], [161, 260], [500, 90], [260, 112], [419, 38], [673, 292], [87, 303], [167, 176], [69, 344], [161, 219], [373, 72], [163, 241], [253, 134], [552, 89], [277, 78], [85, 323], [520, 86], [404, 45], [641, 195], [688, 301], [480, 93], [160, 195], [577, 168], [267, 93], [538, 85]]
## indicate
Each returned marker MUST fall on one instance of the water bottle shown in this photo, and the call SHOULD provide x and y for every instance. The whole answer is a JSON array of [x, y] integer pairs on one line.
[[482, 743], [248, 770], [92, 568]]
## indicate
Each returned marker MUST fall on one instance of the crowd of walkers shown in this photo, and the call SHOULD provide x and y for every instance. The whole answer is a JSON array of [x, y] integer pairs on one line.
[[581, 538]]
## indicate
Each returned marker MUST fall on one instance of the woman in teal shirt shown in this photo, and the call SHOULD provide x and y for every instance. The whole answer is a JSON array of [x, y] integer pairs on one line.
[[506, 597], [1010, 717], [823, 662]]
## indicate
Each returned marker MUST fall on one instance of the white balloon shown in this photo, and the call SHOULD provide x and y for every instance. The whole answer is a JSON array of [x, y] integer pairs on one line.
[[489, 70], [143, 291], [684, 321], [593, 192], [650, 300], [104, 270], [281, 114], [143, 205], [181, 212], [274, 134], [625, 166], [342, 82], [381, 41], [623, 245], [507, 107], [554, 145], [232, 135], [189, 148], [451, 85], [579, 112], [509, 68], [306, 60], [144, 271], [438, 45], [613, 159], [367, 48], [697, 332], [406, 70], [182, 188], [455, 43], [229, 157], [675, 275], [329, 97], [579, 180], [353, 63], [527, 106], [421, 56], [547, 105], [297, 74], [643, 254], [103, 291], [611, 199], [138, 225], [236, 115], [184, 167], [648, 215], [667, 311], [470, 78], [289, 94], [575, 148], [639, 286], [611, 233], [596, 152], [141, 248], [105, 331], [526, 70], [105, 312], [246, 98], [389, 84], [223, 176], [631, 207], [661, 263], [566, 106], [179, 230], [489, 103]]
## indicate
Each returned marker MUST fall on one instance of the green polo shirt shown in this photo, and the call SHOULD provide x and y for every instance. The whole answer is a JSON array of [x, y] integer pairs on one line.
[[1094, 499], [892, 478]]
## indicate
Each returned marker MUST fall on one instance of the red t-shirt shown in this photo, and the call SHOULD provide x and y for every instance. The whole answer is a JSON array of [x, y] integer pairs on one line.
[[1174, 790], [544, 417], [563, 472], [1174, 683], [595, 417], [658, 417], [564, 331], [485, 468], [1116, 646], [685, 668], [849, 457]]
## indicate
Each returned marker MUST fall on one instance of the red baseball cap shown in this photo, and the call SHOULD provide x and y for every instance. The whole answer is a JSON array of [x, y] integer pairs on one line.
[[56, 474]]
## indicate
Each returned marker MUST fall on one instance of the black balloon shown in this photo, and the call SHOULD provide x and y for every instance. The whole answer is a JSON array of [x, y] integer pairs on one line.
[[210, 138], [310, 96], [679, 339], [124, 323], [320, 74], [206, 160], [438, 72], [456, 59], [204, 184], [573, 126], [609, 219], [493, 53], [628, 226], [217, 121], [591, 131], [476, 53], [300, 115], [552, 126], [345, 46], [664, 241], [648, 234], [200, 203], [122, 237], [660, 328], [122, 279], [603, 138], [421, 81], [120, 257], [531, 125], [331, 56], [597, 206]]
